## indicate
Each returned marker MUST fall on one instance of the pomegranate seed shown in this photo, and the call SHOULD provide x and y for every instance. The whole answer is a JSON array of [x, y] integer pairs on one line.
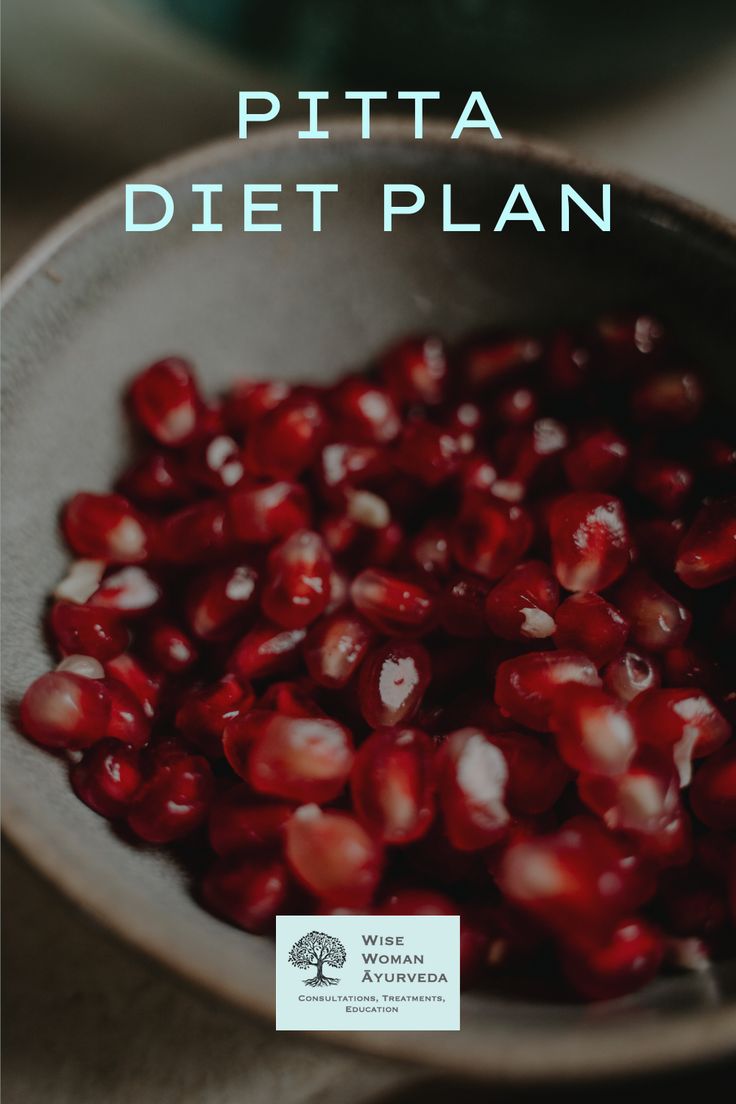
[[416, 371], [220, 600], [205, 710], [477, 474], [86, 631], [522, 605], [665, 484], [169, 648], [597, 461], [81, 581], [246, 890], [298, 758], [216, 463], [392, 682], [128, 592], [65, 710], [472, 779], [568, 362], [392, 784], [590, 540], [82, 665], [195, 534], [365, 411], [529, 457], [630, 674], [429, 453], [669, 398], [127, 721], [165, 401], [657, 620], [286, 440], [684, 722], [295, 699], [489, 361], [336, 647], [626, 961], [106, 527], [630, 338], [490, 538], [707, 553], [146, 686], [537, 776], [462, 607], [267, 512], [342, 466], [430, 550], [248, 400], [393, 605], [588, 623], [593, 731], [526, 687], [107, 778], [333, 856], [267, 648], [240, 822], [644, 799], [173, 800], [713, 791], [517, 406], [298, 587], [158, 479]]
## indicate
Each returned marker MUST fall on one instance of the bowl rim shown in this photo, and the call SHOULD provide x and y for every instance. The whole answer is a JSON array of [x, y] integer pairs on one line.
[[613, 1050]]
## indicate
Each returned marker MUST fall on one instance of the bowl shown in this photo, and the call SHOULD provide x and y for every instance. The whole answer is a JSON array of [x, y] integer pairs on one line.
[[90, 304]]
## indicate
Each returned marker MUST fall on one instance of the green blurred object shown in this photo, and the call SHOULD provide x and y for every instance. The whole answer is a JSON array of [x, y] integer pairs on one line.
[[520, 50]]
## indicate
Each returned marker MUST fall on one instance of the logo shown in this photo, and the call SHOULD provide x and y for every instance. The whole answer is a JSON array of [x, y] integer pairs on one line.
[[315, 950]]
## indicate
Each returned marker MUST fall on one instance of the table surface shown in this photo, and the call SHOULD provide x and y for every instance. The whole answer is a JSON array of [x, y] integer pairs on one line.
[[87, 1020]]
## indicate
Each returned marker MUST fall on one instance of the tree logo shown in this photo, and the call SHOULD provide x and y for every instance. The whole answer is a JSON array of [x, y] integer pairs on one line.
[[318, 950]]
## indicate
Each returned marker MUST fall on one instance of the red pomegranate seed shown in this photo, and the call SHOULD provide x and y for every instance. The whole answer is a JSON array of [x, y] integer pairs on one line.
[[644, 799], [195, 534], [462, 607], [429, 453], [590, 540], [526, 687], [588, 623], [169, 648], [107, 778], [416, 371], [657, 620], [568, 362], [145, 685], [294, 698], [342, 466], [298, 758], [522, 605], [106, 527], [65, 710], [286, 440], [537, 776], [630, 338], [517, 406], [215, 463], [684, 722], [392, 682], [392, 784], [158, 479], [268, 511], [128, 592], [173, 800], [81, 580], [488, 361], [430, 550], [82, 665], [335, 648], [625, 962], [707, 553], [205, 710], [630, 674], [713, 791], [333, 856], [365, 412], [220, 600], [477, 474], [593, 731], [265, 649], [391, 604], [166, 402], [490, 538], [298, 587], [246, 890], [247, 401], [240, 822], [529, 457], [597, 461], [128, 721], [472, 775], [666, 484], [83, 630], [669, 398]]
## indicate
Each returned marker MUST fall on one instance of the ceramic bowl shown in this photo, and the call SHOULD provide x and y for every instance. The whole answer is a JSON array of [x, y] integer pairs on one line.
[[91, 304]]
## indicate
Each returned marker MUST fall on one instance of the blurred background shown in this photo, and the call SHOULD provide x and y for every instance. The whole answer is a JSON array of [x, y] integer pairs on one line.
[[92, 89]]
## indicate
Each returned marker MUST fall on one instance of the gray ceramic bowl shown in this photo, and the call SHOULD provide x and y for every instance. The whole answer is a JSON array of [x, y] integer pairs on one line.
[[90, 304]]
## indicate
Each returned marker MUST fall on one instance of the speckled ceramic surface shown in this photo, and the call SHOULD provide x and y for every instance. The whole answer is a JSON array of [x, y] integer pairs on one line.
[[91, 304]]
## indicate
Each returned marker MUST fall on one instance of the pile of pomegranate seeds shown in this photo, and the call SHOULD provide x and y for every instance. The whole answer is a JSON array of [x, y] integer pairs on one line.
[[453, 635]]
